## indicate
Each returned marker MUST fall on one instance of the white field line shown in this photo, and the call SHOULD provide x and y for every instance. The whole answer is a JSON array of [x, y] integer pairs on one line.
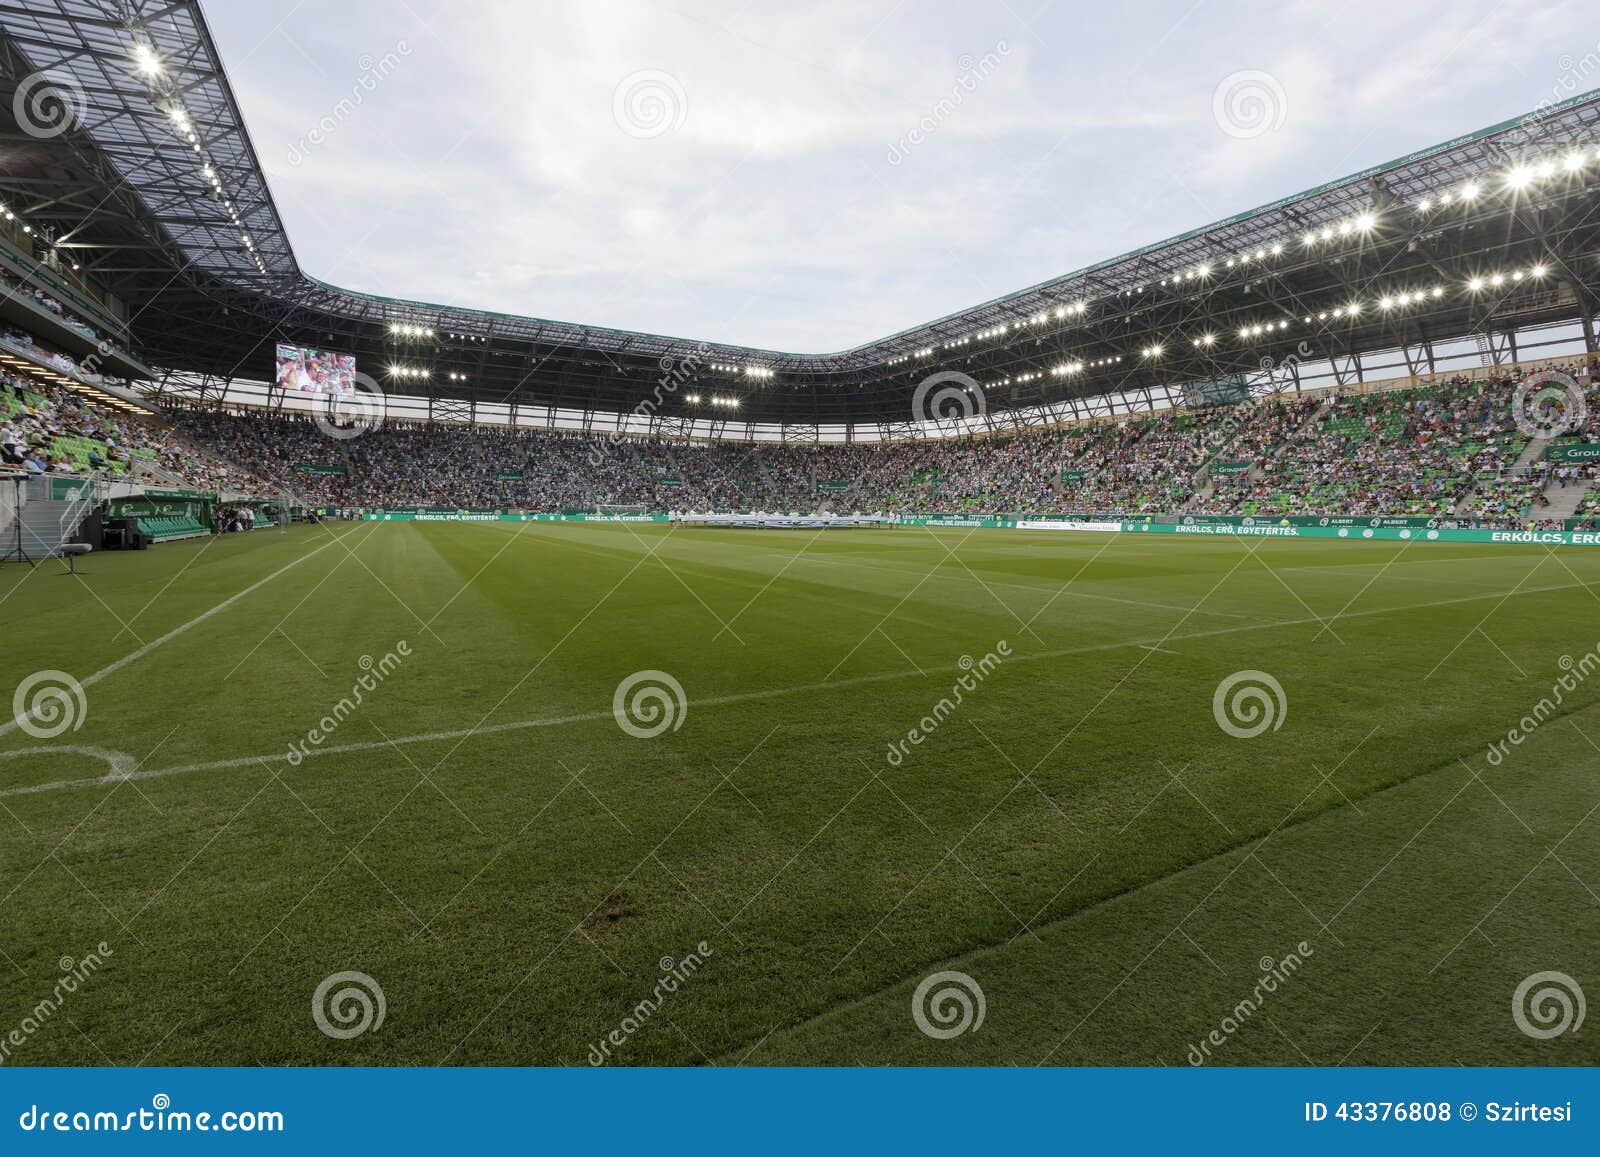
[[724, 700], [133, 656]]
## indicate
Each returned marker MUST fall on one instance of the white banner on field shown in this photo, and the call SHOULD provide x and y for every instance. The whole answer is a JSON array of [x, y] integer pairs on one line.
[[781, 521], [1068, 524]]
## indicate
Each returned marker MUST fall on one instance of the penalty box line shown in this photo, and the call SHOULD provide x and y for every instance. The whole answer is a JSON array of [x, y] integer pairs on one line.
[[464, 733]]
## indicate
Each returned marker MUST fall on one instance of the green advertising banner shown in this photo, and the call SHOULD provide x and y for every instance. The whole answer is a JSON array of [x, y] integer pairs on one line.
[[313, 468], [1415, 523], [1380, 533], [952, 520], [1231, 467], [1575, 452], [1294, 520], [1073, 475], [508, 476], [833, 485], [1347, 528]]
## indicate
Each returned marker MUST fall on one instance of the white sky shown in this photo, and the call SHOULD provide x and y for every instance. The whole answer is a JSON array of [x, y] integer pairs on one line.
[[497, 163]]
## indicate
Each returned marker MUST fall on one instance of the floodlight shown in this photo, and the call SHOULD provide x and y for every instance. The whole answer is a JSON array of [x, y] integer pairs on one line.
[[146, 61]]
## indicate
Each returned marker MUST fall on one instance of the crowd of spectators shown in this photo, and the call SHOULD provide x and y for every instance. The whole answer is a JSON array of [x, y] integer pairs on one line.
[[1448, 450], [49, 429], [1441, 450], [451, 466]]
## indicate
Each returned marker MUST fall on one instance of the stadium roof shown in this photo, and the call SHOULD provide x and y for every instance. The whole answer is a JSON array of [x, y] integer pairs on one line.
[[130, 154]]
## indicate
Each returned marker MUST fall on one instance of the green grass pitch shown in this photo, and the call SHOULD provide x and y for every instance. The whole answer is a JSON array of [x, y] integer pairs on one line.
[[1079, 835]]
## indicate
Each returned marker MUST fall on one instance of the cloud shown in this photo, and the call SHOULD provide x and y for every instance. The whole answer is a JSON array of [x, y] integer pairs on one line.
[[490, 168]]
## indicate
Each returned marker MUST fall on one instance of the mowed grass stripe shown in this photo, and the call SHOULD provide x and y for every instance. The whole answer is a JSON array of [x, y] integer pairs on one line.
[[1396, 978]]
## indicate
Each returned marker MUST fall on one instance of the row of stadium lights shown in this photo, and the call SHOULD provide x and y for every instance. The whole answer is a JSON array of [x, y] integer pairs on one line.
[[421, 372], [1358, 226], [1076, 309], [1066, 368], [759, 372], [147, 63], [717, 400], [1060, 313], [407, 330], [1352, 310], [1518, 178], [1361, 224]]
